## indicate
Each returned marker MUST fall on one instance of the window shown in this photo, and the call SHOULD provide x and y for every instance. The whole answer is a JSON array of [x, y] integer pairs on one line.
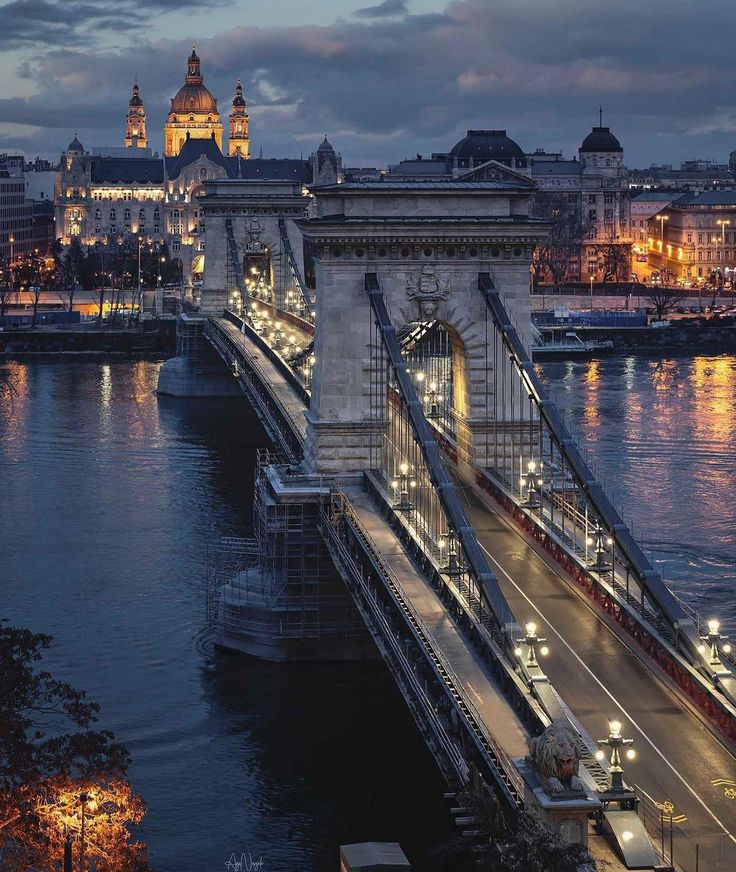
[[175, 214], [591, 198], [98, 214], [608, 198], [700, 257], [608, 214], [112, 214], [592, 214], [700, 237], [690, 237], [176, 246], [126, 215], [203, 173]]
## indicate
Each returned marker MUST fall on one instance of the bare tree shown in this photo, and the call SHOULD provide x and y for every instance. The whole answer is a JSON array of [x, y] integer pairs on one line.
[[70, 267], [663, 300], [6, 290], [615, 259], [563, 245]]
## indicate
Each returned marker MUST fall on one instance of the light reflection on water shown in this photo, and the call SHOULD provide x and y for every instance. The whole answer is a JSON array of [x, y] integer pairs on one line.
[[109, 499], [661, 434]]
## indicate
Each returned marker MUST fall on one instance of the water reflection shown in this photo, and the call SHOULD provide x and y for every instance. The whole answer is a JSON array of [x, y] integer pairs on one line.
[[110, 500], [663, 434]]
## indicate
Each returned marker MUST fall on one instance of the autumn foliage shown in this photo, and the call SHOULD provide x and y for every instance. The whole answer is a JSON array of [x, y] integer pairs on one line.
[[52, 763]]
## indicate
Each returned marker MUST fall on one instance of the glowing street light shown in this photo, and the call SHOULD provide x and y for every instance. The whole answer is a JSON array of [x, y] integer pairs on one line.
[[662, 219], [616, 743], [531, 640], [449, 541], [533, 481], [432, 400], [713, 638], [402, 483], [600, 540]]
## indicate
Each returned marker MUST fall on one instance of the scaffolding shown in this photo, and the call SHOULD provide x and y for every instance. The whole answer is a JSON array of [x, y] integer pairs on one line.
[[279, 591]]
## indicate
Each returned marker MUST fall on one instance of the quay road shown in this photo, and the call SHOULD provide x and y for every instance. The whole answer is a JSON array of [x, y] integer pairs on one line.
[[599, 676]]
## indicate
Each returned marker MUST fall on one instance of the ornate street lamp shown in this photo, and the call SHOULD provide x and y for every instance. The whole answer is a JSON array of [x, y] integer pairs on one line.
[[713, 638], [432, 401], [599, 540], [452, 566], [531, 640], [402, 484], [616, 743], [533, 482]]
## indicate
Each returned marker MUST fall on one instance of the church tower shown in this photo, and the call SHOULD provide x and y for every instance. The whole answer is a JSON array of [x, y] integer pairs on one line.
[[135, 121], [239, 142], [193, 113]]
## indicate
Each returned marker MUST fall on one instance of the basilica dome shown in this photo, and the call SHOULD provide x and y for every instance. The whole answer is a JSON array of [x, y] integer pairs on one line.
[[193, 98]]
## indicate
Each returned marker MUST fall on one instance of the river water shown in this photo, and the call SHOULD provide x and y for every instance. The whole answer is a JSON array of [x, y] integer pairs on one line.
[[109, 499]]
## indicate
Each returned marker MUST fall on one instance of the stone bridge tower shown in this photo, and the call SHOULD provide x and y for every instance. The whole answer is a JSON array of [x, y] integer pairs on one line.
[[427, 242]]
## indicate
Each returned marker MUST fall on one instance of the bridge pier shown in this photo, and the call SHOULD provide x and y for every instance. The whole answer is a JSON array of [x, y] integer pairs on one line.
[[197, 370]]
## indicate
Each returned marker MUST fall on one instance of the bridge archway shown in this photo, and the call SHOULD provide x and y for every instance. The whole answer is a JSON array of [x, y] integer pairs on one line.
[[427, 245]]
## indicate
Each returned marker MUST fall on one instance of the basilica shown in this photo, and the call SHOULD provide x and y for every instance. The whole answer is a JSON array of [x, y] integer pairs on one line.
[[108, 193]]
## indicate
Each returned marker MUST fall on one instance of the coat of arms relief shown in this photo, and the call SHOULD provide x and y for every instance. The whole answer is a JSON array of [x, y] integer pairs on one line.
[[428, 290]]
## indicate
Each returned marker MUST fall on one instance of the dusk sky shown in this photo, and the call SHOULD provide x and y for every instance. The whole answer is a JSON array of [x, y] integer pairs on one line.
[[384, 81]]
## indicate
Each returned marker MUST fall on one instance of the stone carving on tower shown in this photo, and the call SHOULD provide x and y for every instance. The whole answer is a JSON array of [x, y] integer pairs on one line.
[[193, 113], [427, 290], [135, 121], [239, 142]]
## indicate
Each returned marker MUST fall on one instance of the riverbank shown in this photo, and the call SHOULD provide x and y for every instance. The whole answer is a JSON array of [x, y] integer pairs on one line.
[[691, 336], [152, 339]]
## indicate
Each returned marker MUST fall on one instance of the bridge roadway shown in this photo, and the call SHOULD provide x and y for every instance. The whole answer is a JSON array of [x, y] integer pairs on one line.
[[594, 671], [598, 675]]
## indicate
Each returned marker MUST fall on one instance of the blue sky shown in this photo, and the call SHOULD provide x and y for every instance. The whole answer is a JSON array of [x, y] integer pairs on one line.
[[384, 81]]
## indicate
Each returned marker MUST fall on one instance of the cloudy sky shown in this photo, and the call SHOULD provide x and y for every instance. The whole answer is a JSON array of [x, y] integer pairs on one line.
[[384, 81]]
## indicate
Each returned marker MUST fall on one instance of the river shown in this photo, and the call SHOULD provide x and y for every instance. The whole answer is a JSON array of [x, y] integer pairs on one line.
[[110, 499]]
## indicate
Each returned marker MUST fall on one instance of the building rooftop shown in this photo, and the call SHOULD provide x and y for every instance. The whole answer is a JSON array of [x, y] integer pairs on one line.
[[127, 169], [438, 186], [556, 168], [708, 198]]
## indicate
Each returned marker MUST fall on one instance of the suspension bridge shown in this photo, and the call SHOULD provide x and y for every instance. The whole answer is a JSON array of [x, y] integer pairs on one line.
[[425, 491]]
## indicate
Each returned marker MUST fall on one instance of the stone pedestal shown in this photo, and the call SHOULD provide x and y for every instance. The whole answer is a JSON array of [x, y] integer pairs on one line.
[[564, 813]]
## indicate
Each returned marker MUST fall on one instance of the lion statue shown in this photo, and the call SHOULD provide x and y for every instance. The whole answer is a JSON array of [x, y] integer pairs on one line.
[[557, 758]]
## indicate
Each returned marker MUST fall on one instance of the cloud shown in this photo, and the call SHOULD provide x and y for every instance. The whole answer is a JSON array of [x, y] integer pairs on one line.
[[391, 85], [387, 9]]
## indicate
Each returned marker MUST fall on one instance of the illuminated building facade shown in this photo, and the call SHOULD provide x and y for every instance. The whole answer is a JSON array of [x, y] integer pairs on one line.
[[110, 194], [698, 235], [135, 121], [193, 113]]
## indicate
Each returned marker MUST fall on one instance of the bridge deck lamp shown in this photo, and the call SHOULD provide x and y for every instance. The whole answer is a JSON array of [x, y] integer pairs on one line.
[[616, 743], [402, 483], [432, 401], [600, 541], [533, 482], [452, 567], [531, 640], [713, 639]]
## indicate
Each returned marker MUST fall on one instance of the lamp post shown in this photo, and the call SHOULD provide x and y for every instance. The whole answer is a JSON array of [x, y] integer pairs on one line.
[[401, 484], [722, 223], [531, 640], [599, 540], [533, 480], [712, 640], [449, 541], [616, 743], [83, 797], [11, 240], [432, 399], [663, 267]]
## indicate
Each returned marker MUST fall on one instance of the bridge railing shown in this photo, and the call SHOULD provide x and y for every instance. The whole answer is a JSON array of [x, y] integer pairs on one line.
[[441, 505], [543, 471]]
